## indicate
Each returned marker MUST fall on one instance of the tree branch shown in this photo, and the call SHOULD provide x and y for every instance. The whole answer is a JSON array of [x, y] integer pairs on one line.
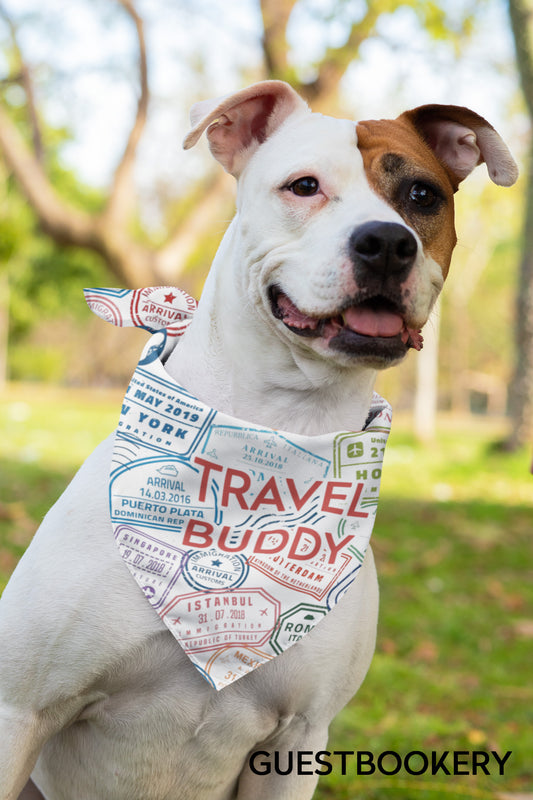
[[65, 224], [276, 15], [107, 233], [172, 257], [24, 78], [337, 59], [121, 196], [322, 90], [521, 21]]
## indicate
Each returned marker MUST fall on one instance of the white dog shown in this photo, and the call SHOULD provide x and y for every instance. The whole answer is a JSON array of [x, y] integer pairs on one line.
[[341, 243]]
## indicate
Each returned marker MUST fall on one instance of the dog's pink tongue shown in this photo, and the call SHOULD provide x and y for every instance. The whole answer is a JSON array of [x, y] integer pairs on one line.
[[382, 323], [373, 323], [365, 321]]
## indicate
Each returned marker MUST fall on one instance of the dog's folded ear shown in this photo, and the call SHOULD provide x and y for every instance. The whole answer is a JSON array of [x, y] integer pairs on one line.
[[238, 123], [461, 140]]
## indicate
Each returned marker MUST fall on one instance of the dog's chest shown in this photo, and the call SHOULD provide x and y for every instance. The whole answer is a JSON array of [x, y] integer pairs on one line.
[[157, 720], [151, 726]]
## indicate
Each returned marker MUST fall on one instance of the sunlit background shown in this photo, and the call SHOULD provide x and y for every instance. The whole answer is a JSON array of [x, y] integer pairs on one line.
[[453, 538], [70, 79]]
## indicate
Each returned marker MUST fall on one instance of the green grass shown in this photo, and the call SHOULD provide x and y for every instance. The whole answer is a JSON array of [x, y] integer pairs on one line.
[[45, 434], [453, 666]]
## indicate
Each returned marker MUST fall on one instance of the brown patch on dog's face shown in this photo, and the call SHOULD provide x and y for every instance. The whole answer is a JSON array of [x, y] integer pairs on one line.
[[402, 169]]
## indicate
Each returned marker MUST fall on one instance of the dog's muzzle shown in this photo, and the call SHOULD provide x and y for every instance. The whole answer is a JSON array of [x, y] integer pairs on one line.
[[371, 325]]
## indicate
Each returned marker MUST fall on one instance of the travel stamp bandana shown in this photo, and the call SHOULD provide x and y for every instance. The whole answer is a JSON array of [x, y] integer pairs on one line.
[[241, 537]]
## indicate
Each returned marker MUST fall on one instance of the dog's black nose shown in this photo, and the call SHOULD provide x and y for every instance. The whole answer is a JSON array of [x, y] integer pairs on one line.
[[382, 249]]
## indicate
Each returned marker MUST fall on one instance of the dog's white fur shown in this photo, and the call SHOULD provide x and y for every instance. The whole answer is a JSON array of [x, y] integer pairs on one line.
[[101, 705]]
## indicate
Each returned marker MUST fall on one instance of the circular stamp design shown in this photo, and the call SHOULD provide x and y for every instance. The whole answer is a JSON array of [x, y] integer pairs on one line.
[[295, 623], [234, 661], [157, 307], [212, 569], [106, 309]]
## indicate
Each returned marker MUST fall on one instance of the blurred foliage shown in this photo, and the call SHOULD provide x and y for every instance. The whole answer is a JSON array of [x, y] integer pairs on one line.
[[45, 281], [453, 536], [48, 285], [48, 316]]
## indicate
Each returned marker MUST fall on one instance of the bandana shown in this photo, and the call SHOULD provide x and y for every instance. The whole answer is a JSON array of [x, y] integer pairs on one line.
[[241, 537]]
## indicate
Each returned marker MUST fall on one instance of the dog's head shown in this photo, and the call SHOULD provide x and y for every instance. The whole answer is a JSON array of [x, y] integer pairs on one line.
[[345, 230]]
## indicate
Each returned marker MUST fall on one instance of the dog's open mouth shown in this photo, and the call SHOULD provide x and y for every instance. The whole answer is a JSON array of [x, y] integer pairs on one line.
[[374, 326]]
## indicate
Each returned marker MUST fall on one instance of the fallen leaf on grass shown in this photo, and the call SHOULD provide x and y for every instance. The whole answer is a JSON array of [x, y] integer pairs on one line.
[[523, 627], [515, 796], [8, 562], [476, 737], [388, 646], [426, 651]]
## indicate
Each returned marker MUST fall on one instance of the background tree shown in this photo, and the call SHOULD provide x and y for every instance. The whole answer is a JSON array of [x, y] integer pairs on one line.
[[315, 46], [134, 260], [107, 231], [521, 386]]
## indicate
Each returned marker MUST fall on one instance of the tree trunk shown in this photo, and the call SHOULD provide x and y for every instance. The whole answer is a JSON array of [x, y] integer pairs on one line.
[[427, 375], [521, 386], [4, 325]]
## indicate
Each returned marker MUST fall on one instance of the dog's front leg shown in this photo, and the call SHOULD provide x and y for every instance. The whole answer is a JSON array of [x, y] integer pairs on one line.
[[23, 732], [284, 767], [22, 735]]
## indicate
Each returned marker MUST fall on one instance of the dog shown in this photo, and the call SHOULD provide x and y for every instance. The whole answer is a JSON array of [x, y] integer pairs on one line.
[[340, 245]]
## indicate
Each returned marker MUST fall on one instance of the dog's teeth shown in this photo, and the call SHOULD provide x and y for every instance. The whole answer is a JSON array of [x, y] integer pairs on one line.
[[412, 338], [416, 340]]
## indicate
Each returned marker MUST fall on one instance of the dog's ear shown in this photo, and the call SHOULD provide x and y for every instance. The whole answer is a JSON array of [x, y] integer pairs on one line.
[[461, 139], [237, 124]]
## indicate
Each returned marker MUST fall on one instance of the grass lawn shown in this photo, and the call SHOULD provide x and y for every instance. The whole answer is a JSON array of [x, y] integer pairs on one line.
[[453, 667]]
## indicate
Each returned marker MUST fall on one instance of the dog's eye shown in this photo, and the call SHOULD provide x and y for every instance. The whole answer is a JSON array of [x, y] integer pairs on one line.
[[304, 187], [423, 195]]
